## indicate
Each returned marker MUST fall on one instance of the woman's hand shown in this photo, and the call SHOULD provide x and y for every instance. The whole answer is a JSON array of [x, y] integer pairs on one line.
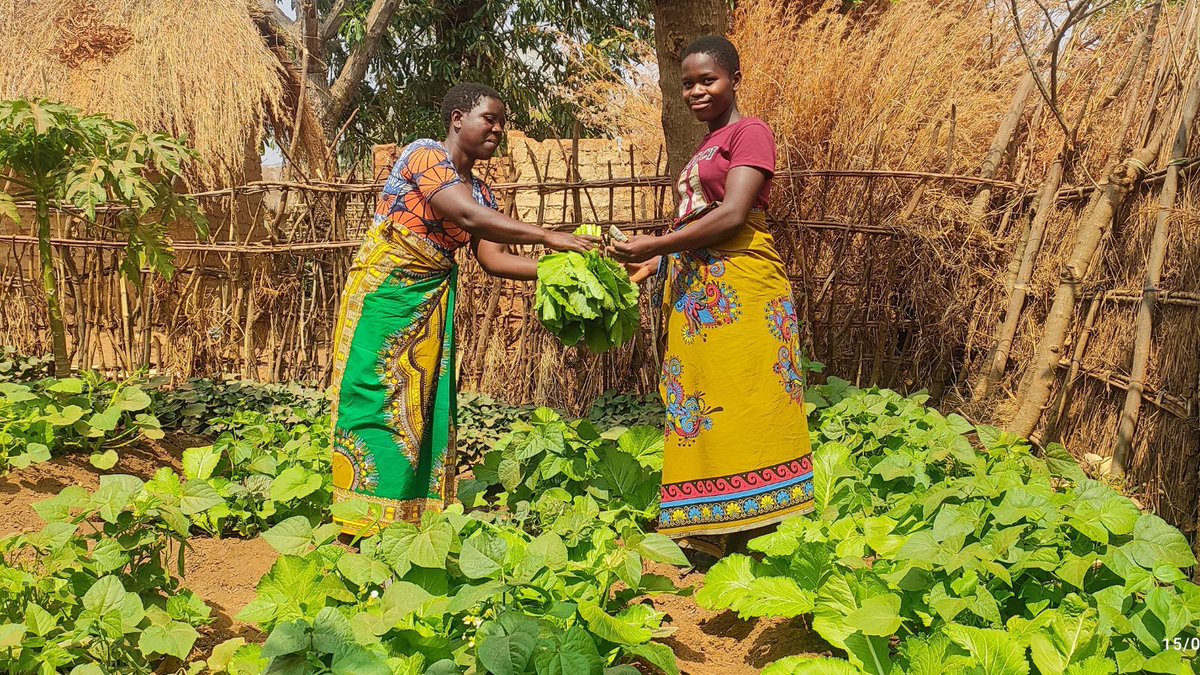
[[562, 241], [639, 272], [639, 248]]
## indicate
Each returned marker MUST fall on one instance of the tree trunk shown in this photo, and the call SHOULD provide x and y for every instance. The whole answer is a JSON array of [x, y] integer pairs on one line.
[[676, 25], [329, 102], [350, 80], [58, 331], [1145, 317]]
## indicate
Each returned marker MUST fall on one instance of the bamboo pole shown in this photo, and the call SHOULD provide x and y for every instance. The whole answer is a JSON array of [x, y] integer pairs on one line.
[[1154, 265], [1107, 200], [1064, 394], [1018, 291], [1040, 376], [1004, 134]]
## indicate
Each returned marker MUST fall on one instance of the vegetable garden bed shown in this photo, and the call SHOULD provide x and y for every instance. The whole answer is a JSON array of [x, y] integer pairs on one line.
[[936, 546]]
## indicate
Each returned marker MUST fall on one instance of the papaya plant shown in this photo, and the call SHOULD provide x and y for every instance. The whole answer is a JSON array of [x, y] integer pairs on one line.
[[55, 156]]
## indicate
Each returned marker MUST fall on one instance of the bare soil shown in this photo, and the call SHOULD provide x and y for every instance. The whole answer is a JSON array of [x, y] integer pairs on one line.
[[225, 573]]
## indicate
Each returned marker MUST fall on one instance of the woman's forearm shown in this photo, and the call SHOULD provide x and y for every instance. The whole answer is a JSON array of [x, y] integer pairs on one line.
[[495, 226], [714, 228], [456, 205]]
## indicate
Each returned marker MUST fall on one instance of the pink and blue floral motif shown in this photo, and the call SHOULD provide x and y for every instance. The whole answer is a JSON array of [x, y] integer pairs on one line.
[[781, 316], [698, 294], [687, 415]]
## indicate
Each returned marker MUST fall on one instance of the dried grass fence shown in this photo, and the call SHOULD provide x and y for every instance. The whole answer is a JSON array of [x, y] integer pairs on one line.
[[943, 227]]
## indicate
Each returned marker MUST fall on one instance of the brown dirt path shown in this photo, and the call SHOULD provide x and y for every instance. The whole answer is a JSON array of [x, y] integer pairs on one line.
[[224, 572], [720, 643]]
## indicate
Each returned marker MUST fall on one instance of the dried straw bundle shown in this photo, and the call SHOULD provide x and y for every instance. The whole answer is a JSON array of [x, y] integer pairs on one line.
[[200, 70]]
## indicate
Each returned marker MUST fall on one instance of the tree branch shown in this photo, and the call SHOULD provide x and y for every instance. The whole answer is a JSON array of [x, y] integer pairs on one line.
[[334, 20], [350, 80], [1048, 95]]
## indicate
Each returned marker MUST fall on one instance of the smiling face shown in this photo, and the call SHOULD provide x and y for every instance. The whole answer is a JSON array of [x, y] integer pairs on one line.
[[482, 128], [708, 89]]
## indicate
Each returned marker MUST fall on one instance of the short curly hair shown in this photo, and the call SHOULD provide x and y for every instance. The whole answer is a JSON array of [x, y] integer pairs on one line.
[[722, 51], [465, 97]]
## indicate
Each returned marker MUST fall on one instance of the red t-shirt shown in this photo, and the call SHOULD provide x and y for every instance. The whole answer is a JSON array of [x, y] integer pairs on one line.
[[747, 142]]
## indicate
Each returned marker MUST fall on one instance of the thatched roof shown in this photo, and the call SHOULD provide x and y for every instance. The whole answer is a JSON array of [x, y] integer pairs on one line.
[[195, 69]]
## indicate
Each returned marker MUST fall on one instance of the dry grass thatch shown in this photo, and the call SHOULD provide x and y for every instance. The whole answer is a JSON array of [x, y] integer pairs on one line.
[[195, 69]]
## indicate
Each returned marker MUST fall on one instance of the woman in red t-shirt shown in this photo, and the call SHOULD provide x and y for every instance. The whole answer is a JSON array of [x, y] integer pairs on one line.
[[737, 448]]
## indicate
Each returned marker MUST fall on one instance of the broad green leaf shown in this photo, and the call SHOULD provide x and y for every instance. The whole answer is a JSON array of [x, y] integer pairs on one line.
[[430, 547], [131, 399], [361, 570], [645, 444], [293, 483], [67, 385], [1070, 638], [104, 460], [108, 555], [575, 652], [292, 536], [1156, 543], [505, 646], [1074, 568], [481, 557], [352, 659], [402, 598], [469, 596], [175, 639], [549, 549], [995, 650], [198, 497], [38, 621], [878, 615], [1062, 464], [287, 638], [11, 635], [871, 653], [114, 494], [200, 462], [1098, 510], [660, 548], [658, 655], [1168, 661], [222, 654], [105, 421], [807, 665], [776, 596], [331, 629], [106, 595], [727, 583], [612, 628], [927, 655]]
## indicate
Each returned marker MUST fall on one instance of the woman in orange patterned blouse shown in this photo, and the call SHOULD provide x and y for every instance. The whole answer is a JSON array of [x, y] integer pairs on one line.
[[393, 377]]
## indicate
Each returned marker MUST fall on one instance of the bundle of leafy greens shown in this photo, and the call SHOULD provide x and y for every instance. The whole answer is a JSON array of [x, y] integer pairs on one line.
[[585, 296]]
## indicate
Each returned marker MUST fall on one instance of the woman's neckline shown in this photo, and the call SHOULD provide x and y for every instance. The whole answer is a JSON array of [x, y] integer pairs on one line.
[[728, 126]]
